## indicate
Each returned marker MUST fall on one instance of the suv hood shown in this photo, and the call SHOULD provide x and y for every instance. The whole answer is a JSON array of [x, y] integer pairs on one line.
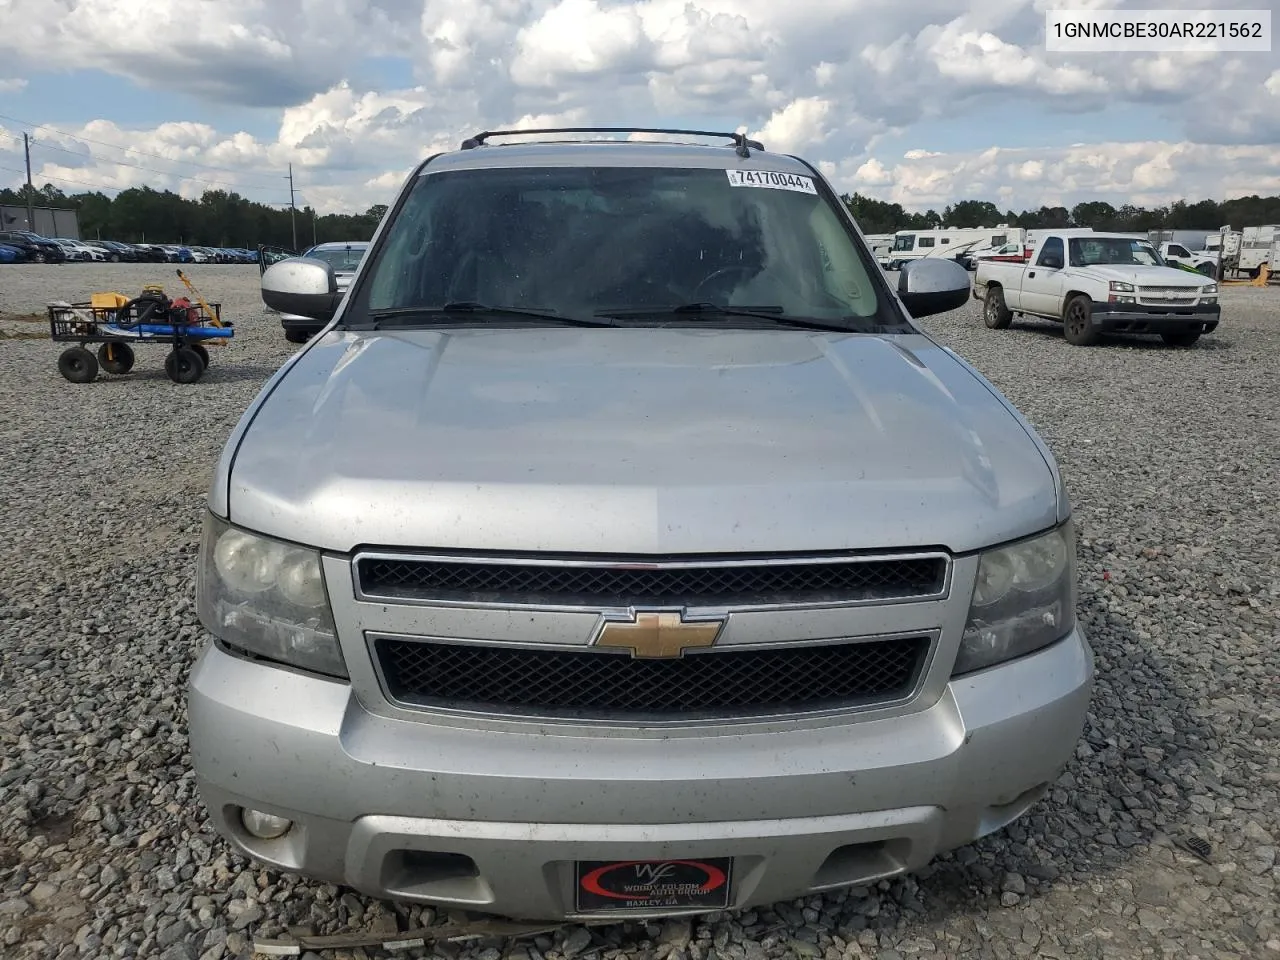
[[1147, 276], [636, 441]]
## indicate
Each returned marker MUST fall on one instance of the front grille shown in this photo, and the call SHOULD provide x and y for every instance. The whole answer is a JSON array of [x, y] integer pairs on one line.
[[614, 584], [1167, 296], [591, 684]]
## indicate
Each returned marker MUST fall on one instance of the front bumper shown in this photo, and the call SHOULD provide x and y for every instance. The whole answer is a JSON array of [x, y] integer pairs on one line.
[[493, 820], [1130, 318]]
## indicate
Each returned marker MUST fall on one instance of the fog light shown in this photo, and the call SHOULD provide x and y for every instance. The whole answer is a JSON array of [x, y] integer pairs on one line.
[[264, 826]]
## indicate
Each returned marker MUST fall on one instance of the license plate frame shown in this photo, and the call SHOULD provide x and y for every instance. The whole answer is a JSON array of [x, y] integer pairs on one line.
[[677, 883]]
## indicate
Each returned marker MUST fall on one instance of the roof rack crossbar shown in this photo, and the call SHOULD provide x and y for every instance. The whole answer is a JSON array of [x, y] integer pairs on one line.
[[742, 144]]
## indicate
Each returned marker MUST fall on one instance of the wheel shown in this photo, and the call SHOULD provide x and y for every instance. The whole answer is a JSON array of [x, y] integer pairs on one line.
[[184, 365], [295, 336], [78, 365], [994, 312], [1181, 338], [199, 348], [1208, 269], [37, 258], [116, 357], [1077, 322], [115, 258]]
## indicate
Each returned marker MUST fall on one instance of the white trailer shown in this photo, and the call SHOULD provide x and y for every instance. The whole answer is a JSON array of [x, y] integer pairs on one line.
[[1256, 244], [1225, 242], [911, 245], [880, 244]]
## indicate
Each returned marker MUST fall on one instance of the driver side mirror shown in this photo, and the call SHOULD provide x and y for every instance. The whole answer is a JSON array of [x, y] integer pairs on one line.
[[932, 285], [304, 286]]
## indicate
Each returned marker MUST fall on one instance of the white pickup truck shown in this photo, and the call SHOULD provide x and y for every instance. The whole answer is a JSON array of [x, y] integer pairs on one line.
[[1096, 283], [1202, 261]]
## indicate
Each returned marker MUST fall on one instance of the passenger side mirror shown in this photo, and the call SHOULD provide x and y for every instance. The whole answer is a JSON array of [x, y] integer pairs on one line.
[[303, 286], [932, 285], [1051, 261]]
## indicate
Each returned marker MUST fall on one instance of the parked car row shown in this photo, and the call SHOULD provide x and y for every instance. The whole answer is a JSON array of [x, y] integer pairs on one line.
[[22, 246]]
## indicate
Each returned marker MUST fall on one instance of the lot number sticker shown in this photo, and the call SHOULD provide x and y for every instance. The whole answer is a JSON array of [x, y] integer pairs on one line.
[[771, 180]]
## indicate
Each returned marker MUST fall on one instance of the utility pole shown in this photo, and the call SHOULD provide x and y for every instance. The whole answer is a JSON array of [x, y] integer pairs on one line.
[[293, 217], [313, 226], [31, 214]]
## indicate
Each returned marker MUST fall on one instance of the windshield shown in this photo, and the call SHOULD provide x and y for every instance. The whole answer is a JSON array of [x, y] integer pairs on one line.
[[590, 241], [1091, 251], [340, 258]]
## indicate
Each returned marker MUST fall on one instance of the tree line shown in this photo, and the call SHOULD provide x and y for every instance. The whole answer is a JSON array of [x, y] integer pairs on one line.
[[218, 219], [226, 219], [877, 216]]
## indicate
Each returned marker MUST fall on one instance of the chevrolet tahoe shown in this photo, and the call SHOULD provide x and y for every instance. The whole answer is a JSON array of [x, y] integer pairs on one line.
[[621, 547]]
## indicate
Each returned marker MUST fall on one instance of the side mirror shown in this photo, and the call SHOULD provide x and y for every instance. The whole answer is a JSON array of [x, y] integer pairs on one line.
[[1051, 261], [303, 286], [932, 285]]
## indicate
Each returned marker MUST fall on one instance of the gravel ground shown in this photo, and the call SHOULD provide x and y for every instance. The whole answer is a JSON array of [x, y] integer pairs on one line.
[[1171, 457]]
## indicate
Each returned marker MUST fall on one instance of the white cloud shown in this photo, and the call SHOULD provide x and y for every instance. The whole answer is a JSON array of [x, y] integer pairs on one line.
[[578, 37], [843, 81], [798, 125], [14, 85], [1146, 173]]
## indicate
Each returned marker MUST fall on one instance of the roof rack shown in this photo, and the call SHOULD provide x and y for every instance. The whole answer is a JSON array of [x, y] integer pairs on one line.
[[742, 144]]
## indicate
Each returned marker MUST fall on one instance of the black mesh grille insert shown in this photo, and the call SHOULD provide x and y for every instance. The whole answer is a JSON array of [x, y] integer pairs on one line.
[[615, 586], [596, 685]]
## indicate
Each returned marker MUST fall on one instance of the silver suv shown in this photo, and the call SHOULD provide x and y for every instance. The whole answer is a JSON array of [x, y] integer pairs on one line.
[[622, 548]]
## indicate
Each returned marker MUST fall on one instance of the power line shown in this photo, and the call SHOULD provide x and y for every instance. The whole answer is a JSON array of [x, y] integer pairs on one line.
[[135, 166], [102, 186], [83, 183], [115, 146]]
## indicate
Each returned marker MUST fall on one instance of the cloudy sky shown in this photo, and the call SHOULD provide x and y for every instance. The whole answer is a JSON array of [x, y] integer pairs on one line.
[[923, 102]]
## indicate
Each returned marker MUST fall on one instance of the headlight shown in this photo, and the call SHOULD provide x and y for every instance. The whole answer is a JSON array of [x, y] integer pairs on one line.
[[1119, 287], [1024, 599], [1210, 289], [267, 598]]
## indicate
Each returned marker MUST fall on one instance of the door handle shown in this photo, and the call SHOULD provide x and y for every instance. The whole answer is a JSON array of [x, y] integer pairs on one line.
[[1031, 274]]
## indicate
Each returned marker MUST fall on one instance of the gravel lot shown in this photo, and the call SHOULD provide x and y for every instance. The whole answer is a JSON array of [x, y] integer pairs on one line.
[[1172, 458]]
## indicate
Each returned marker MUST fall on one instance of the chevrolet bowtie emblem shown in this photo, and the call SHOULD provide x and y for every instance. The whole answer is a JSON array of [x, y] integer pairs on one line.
[[659, 634]]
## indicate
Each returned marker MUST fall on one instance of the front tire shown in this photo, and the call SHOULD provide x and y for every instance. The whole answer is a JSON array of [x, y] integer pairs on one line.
[[78, 365], [116, 358], [184, 365], [1181, 338], [1208, 269], [1077, 322], [995, 314]]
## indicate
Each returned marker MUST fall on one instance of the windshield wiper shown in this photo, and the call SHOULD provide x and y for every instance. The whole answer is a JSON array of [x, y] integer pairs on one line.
[[460, 308], [771, 313]]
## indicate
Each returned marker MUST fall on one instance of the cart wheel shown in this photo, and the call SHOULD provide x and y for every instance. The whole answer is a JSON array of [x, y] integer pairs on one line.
[[116, 357], [184, 365], [202, 351], [78, 365]]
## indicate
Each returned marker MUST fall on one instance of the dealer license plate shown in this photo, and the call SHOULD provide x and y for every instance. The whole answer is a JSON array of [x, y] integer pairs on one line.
[[604, 885]]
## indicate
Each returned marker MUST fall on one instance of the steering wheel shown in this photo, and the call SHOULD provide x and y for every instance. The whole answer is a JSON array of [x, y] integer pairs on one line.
[[641, 291], [737, 268]]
